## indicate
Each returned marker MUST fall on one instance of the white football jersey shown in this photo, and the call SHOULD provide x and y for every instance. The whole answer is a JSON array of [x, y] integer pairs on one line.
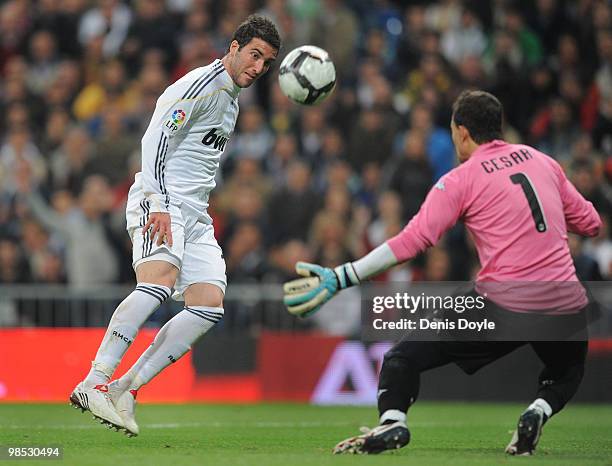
[[182, 147]]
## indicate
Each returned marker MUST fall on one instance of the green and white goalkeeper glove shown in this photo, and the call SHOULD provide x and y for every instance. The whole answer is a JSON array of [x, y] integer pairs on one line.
[[305, 296]]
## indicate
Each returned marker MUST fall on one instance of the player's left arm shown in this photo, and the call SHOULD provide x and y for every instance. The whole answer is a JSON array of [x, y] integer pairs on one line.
[[440, 211]]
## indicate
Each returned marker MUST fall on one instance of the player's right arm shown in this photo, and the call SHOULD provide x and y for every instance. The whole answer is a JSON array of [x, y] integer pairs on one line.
[[172, 116], [580, 215]]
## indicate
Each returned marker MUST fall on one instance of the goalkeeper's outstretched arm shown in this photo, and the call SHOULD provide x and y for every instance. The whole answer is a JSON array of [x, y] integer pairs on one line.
[[305, 296], [441, 210]]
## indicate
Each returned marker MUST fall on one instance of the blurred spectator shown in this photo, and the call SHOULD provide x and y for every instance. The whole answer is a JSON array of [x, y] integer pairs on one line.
[[37, 242], [548, 21], [371, 177], [292, 207], [90, 257], [464, 40], [247, 205], [113, 146], [283, 113], [332, 150], [439, 145], [602, 130], [246, 175], [55, 131], [555, 129], [112, 88], [335, 29], [388, 222], [585, 180], [196, 50], [529, 43], [340, 174], [44, 63], [246, 259], [430, 72], [311, 132], [371, 139], [68, 163], [587, 268], [13, 265], [254, 139], [13, 30], [437, 265], [19, 154], [410, 43], [411, 175], [600, 248], [151, 28], [109, 21], [62, 20], [284, 152], [283, 257], [472, 73]]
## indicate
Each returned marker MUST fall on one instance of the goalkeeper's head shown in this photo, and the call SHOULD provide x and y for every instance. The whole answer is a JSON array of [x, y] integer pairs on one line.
[[477, 119]]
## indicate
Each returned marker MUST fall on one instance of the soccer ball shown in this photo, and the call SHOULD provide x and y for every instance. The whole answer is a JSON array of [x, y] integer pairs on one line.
[[307, 75]]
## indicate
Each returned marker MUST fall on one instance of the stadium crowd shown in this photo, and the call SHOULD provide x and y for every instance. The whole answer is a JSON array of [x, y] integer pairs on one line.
[[79, 82]]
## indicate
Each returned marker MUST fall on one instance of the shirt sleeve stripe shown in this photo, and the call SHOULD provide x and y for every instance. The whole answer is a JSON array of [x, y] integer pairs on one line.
[[199, 80], [203, 85]]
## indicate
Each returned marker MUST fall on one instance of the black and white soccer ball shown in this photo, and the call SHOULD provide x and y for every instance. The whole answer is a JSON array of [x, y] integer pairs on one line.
[[307, 75]]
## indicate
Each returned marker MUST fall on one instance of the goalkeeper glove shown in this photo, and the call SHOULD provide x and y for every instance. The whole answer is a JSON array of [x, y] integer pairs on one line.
[[305, 296]]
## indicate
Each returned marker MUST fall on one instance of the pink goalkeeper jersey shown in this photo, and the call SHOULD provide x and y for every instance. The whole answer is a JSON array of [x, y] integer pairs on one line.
[[518, 205]]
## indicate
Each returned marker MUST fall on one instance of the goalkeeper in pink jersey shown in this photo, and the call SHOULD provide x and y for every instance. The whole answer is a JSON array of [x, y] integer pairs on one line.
[[518, 205]]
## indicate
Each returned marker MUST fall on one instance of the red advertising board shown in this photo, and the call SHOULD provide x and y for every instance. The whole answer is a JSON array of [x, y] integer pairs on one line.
[[43, 364]]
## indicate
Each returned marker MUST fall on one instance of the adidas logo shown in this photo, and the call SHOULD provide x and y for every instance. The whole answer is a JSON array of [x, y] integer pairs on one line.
[[84, 399]]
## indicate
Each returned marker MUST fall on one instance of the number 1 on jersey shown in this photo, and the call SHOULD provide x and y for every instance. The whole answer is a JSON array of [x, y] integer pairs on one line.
[[532, 198]]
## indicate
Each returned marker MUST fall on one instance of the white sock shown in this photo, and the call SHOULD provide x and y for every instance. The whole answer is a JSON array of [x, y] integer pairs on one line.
[[542, 404], [392, 415], [127, 319], [170, 344]]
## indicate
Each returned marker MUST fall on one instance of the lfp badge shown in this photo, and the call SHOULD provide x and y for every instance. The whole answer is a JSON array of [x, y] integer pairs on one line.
[[178, 116], [176, 120]]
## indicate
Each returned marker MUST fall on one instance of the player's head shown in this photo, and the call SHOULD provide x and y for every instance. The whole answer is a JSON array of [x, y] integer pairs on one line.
[[252, 51], [477, 119]]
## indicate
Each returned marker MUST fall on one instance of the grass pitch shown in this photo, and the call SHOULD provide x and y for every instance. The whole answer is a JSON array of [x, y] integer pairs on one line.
[[287, 435]]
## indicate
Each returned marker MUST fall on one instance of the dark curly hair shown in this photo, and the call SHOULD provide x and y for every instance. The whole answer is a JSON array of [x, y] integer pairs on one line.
[[260, 27]]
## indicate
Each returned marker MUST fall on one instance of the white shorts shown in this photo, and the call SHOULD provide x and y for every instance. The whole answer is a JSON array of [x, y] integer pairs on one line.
[[195, 251]]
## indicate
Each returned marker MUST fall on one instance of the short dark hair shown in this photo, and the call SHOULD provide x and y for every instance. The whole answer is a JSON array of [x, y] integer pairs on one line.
[[260, 27], [481, 113]]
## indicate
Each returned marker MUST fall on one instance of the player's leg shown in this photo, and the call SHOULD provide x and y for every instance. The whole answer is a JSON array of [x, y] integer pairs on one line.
[[399, 384], [156, 271], [203, 309], [201, 283], [398, 387], [558, 382], [154, 281]]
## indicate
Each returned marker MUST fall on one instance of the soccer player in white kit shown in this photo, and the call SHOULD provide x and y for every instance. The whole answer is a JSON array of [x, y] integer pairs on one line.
[[173, 239]]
